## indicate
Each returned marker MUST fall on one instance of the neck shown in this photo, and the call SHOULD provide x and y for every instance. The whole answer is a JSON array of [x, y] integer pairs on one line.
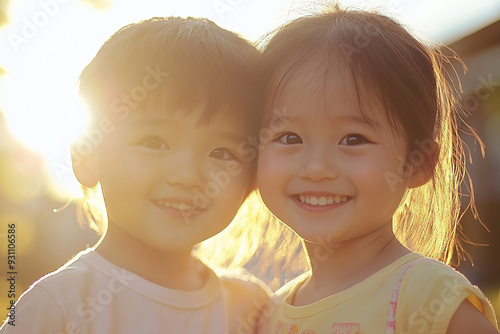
[[178, 270], [335, 268]]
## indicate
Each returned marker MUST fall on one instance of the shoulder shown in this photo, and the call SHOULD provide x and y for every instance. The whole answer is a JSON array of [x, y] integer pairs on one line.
[[42, 302], [278, 301], [247, 298], [63, 287], [430, 274], [430, 294], [427, 278], [69, 276], [32, 312], [242, 283], [468, 319], [290, 287]]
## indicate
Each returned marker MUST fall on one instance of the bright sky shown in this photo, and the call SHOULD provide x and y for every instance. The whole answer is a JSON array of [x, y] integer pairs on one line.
[[49, 42]]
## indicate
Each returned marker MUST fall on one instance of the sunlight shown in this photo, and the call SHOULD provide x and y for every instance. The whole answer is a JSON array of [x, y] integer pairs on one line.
[[42, 120], [47, 44]]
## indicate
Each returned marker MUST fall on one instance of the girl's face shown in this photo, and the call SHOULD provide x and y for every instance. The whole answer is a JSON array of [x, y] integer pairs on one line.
[[327, 172]]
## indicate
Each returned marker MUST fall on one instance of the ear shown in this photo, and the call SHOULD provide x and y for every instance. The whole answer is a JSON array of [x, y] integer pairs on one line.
[[423, 161], [85, 166]]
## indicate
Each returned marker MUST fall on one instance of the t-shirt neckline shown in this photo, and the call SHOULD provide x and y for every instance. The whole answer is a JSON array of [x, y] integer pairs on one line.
[[174, 298], [342, 296]]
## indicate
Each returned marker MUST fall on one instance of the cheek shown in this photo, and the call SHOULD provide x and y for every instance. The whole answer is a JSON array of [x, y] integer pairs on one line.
[[268, 166], [377, 164], [233, 181], [137, 177], [380, 179], [271, 174]]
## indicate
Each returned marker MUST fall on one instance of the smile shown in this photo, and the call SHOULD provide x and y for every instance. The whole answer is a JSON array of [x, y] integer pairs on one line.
[[175, 205], [322, 200]]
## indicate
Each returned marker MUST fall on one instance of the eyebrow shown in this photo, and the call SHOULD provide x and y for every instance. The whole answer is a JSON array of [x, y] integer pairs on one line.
[[342, 119], [154, 123], [358, 119], [148, 121], [279, 116], [232, 137], [145, 123]]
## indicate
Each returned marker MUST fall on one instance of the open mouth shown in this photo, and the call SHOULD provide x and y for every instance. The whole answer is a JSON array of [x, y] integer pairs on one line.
[[179, 209], [322, 200], [176, 205]]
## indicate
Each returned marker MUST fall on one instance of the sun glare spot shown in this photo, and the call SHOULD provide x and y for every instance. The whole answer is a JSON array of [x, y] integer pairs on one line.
[[42, 124]]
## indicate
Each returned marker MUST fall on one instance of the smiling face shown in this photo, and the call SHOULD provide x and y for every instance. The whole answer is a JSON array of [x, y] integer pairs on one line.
[[170, 182], [325, 172]]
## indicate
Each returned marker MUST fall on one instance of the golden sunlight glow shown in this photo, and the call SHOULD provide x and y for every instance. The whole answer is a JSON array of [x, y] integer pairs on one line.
[[46, 45]]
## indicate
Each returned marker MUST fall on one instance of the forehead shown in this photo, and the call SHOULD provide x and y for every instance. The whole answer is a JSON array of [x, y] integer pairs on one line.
[[198, 110], [225, 119], [320, 85], [314, 79]]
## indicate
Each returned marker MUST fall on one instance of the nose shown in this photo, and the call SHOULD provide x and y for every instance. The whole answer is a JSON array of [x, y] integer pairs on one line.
[[184, 169], [318, 165]]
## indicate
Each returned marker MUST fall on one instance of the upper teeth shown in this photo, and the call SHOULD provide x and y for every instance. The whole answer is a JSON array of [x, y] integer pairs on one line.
[[322, 200], [178, 206]]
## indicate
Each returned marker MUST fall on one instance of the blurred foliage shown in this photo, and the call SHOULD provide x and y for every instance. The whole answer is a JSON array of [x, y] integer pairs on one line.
[[4, 17]]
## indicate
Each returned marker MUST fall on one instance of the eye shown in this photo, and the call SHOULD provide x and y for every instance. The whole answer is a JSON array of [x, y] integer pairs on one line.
[[289, 138], [354, 139], [154, 143], [222, 154]]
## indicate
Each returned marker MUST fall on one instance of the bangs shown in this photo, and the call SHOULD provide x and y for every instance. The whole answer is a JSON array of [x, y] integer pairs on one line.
[[171, 64], [218, 94], [333, 77], [382, 60]]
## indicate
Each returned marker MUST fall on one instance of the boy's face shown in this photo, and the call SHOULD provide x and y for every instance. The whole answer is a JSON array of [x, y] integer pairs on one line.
[[171, 183]]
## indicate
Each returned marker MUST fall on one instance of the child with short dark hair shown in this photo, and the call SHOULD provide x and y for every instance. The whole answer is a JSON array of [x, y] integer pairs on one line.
[[172, 103]]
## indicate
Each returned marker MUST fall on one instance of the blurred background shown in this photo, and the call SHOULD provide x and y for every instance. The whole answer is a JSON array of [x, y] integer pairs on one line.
[[44, 45]]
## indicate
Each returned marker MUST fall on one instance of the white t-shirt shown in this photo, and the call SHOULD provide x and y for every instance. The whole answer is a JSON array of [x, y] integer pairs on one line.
[[92, 295]]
